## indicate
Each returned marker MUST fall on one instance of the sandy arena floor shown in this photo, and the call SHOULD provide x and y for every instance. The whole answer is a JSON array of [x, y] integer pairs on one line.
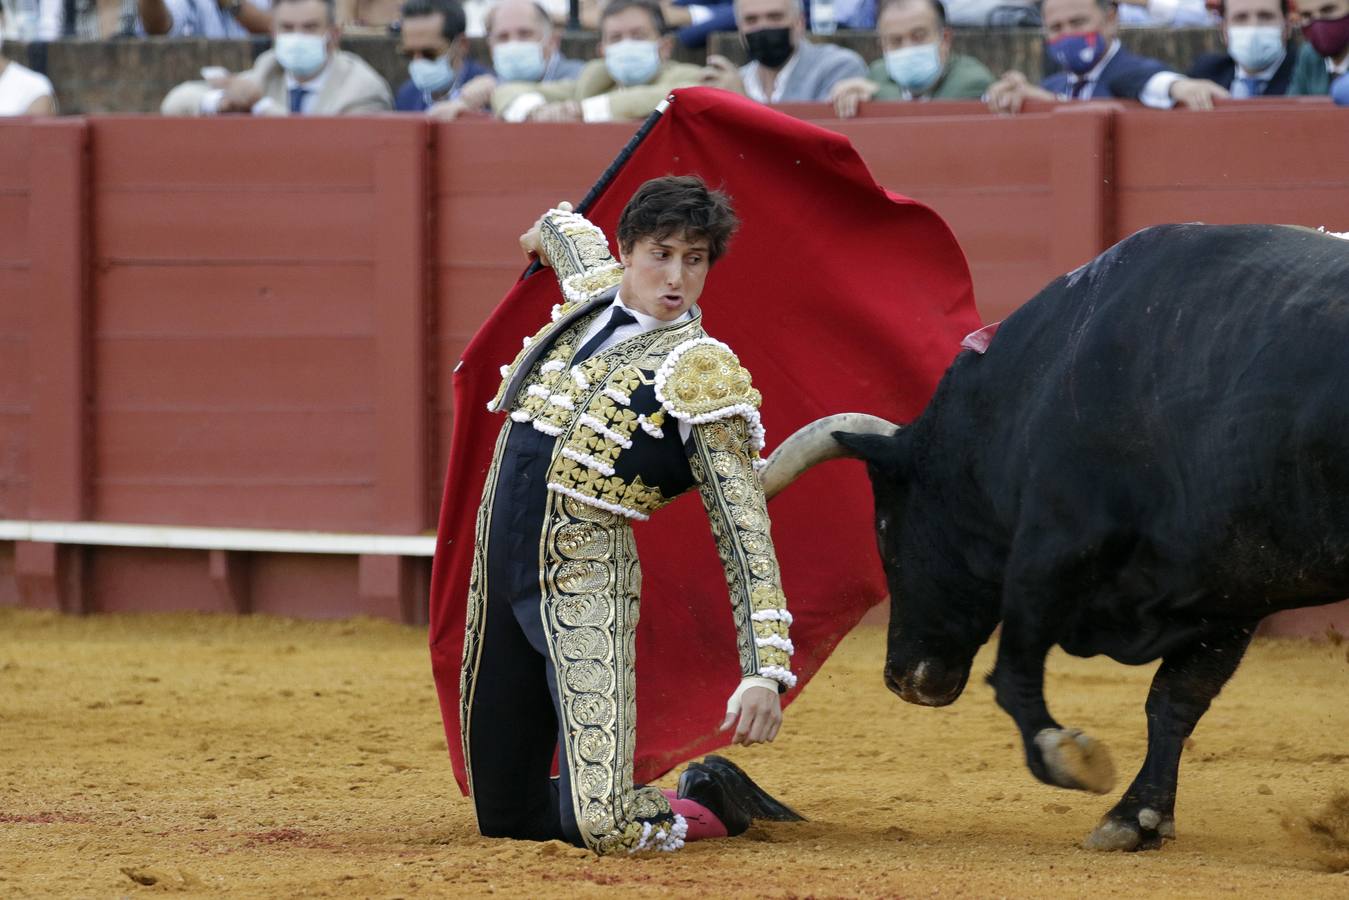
[[268, 757]]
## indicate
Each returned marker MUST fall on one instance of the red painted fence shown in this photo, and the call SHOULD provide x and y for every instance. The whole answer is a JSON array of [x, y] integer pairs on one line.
[[251, 324]]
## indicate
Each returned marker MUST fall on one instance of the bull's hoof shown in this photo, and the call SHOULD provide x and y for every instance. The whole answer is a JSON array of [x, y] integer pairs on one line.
[[1146, 831], [1074, 760]]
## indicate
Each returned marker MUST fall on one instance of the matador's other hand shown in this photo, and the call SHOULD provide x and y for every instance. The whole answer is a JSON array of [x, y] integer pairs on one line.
[[760, 713], [531, 241]]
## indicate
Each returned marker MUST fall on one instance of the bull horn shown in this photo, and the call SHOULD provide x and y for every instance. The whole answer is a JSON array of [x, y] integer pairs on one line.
[[814, 443]]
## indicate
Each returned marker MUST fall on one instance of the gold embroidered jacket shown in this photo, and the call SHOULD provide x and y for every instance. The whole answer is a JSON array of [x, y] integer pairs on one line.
[[616, 417]]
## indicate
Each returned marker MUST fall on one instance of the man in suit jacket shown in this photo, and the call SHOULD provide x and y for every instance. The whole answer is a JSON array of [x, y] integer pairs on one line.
[[1082, 36], [304, 74], [1259, 59], [525, 47], [443, 79], [784, 67], [916, 61], [632, 75]]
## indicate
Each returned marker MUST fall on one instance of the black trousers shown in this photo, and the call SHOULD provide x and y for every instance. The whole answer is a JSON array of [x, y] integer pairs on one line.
[[513, 719]]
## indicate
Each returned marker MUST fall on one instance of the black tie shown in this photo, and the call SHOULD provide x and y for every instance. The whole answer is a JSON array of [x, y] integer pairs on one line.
[[1079, 88], [617, 320]]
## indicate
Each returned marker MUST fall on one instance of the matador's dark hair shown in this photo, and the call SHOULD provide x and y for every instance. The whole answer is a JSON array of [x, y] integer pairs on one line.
[[678, 205]]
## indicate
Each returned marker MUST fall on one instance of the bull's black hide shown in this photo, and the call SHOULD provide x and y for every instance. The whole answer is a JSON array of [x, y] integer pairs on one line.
[[1152, 456]]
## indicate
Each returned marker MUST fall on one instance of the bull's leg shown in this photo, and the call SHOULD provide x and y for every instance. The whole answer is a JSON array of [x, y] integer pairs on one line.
[[1182, 690], [1063, 757]]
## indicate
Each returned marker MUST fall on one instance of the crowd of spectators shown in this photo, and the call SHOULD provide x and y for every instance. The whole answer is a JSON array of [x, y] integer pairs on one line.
[[1272, 48]]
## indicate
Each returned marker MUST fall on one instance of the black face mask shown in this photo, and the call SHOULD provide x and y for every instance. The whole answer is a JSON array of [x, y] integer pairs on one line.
[[770, 47]]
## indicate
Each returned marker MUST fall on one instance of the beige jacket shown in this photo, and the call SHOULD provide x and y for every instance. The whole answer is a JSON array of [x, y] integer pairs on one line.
[[594, 81], [351, 87]]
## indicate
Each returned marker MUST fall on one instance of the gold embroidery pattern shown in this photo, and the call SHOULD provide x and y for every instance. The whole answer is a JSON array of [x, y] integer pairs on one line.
[[708, 378], [591, 586], [574, 246], [723, 467], [475, 613]]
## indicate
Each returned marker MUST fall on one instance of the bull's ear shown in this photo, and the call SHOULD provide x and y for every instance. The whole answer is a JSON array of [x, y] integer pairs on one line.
[[887, 452]]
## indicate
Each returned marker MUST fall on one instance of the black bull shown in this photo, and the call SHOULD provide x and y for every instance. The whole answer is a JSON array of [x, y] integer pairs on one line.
[[1151, 457]]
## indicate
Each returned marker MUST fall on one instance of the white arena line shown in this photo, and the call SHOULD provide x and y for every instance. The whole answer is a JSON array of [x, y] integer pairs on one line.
[[107, 534]]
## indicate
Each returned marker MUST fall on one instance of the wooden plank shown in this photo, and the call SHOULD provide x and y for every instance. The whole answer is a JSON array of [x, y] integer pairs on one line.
[[402, 387], [1250, 146], [279, 225], [58, 339], [236, 300], [485, 156], [151, 580], [239, 503], [15, 136], [257, 154], [955, 153], [1235, 204], [285, 372], [14, 225], [303, 445]]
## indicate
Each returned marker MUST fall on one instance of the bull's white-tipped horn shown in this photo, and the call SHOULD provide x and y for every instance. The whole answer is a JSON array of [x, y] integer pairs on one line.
[[814, 443]]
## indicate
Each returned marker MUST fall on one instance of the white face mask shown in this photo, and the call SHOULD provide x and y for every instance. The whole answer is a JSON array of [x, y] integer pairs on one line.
[[518, 60], [1255, 47], [632, 62], [914, 68], [301, 55]]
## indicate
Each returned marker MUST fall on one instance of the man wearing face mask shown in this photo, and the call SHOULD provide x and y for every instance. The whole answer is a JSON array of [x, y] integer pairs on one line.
[[1324, 57], [784, 67], [442, 79], [525, 47], [1082, 37], [917, 63], [1257, 62], [304, 74], [632, 75]]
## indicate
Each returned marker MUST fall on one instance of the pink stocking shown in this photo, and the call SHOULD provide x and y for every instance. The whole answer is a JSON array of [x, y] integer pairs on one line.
[[703, 824]]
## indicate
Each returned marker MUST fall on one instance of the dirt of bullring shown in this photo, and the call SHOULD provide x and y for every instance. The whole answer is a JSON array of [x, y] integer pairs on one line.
[[268, 757]]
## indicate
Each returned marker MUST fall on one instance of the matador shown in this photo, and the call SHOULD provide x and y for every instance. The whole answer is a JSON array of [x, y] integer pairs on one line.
[[616, 406]]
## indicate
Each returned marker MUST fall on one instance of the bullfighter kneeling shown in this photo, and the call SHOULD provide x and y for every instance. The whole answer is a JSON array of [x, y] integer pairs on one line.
[[618, 405]]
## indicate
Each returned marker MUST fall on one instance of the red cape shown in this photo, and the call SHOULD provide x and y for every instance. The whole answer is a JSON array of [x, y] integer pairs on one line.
[[839, 297]]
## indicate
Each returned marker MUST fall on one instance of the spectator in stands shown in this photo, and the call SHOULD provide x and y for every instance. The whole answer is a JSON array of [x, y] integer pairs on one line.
[[205, 18], [1258, 61], [916, 62], [632, 75], [1325, 55], [367, 16], [23, 92], [1081, 35], [525, 47], [304, 74], [443, 79], [1165, 14], [784, 66]]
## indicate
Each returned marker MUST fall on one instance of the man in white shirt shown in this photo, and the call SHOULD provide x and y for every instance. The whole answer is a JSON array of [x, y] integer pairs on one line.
[[303, 75], [24, 92]]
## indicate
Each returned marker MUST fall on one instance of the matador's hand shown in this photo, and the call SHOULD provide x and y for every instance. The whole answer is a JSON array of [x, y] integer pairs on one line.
[[760, 712], [531, 240]]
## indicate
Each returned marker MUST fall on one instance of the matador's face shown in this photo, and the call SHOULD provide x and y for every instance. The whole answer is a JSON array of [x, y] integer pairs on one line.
[[663, 277]]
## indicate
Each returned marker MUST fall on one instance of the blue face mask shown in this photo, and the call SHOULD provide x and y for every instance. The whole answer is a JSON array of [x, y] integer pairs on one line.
[[301, 55], [431, 76], [518, 60], [632, 62], [914, 68], [1255, 47], [1078, 53]]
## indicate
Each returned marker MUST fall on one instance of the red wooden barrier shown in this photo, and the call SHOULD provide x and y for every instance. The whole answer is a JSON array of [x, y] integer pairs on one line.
[[253, 323]]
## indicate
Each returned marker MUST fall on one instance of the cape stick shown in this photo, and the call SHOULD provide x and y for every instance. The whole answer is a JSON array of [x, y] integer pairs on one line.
[[611, 172]]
